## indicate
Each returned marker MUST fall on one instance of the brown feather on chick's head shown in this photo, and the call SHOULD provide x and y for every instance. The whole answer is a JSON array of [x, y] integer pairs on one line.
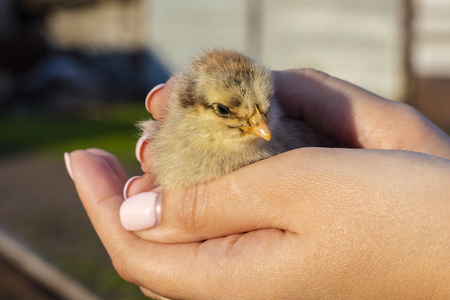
[[230, 91]]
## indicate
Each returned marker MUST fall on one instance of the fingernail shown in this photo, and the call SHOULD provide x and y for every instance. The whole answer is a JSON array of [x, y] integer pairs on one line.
[[148, 99], [138, 150], [67, 163], [141, 211], [127, 186]]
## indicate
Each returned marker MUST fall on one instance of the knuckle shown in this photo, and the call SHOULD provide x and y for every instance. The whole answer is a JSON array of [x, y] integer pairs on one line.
[[121, 269], [315, 74], [121, 264], [192, 214], [408, 110], [411, 115]]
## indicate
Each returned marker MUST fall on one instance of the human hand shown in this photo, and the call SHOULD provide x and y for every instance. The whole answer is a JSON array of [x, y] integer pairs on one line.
[[355, 220], [326, 226]]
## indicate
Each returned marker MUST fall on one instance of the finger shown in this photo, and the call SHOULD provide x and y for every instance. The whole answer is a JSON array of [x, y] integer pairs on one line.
[[144, 152], [156, 102], [334, 107], [295, 192], [140, 146], [240, 201], [150, 95], [98, 185], [138, 184], [356, 117], [111, 160]]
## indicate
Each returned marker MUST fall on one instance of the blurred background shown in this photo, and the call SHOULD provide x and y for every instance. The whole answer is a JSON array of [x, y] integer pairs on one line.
[[74, 74]]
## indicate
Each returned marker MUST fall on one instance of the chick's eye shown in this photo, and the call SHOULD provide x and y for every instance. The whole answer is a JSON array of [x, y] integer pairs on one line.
[[221, 110]]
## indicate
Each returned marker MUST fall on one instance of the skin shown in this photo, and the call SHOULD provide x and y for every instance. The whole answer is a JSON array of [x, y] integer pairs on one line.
[[370, 221]]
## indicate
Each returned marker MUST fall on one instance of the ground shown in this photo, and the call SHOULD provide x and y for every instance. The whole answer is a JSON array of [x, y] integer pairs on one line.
[[39, 204]]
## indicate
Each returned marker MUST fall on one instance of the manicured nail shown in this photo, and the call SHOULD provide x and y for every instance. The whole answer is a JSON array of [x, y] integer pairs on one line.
[[148, 99], [141, 211], [138, 150], [127, 186], [68, 166]]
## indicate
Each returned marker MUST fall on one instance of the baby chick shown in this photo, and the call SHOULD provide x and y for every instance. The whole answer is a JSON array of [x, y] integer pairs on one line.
[[221, 116]]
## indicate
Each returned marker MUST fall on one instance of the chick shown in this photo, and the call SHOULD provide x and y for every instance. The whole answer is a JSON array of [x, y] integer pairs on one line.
[[221, 116]]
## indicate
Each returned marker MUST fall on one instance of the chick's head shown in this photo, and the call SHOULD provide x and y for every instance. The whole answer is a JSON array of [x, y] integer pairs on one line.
[[228, 93]]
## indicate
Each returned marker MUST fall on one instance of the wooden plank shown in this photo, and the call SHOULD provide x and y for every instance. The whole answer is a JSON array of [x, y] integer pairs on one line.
[[37, 269]]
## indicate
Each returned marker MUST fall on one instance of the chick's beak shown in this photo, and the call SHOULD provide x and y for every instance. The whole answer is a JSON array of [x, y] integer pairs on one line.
[[258, 126]]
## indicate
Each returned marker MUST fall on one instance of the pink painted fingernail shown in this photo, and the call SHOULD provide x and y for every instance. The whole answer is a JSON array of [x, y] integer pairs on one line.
[[67, 163], [141, 211], [127, 186], [148, 99], [138, 150]]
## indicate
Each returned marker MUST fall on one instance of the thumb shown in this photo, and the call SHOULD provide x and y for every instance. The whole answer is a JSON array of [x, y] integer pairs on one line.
[[272, 193]]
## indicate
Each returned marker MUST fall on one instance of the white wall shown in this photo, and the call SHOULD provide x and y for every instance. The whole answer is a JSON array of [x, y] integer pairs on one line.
[[431, 46], [358, 40]]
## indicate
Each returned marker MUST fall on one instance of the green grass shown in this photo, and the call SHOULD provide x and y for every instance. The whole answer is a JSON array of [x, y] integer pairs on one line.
[[112, 128]]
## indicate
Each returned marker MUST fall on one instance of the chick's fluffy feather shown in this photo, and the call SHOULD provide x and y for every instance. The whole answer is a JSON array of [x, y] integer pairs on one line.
[[195, 143]]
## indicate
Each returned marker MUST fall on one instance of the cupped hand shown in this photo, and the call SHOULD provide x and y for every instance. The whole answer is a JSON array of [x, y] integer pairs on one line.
[[310, 223], [350, 224]]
